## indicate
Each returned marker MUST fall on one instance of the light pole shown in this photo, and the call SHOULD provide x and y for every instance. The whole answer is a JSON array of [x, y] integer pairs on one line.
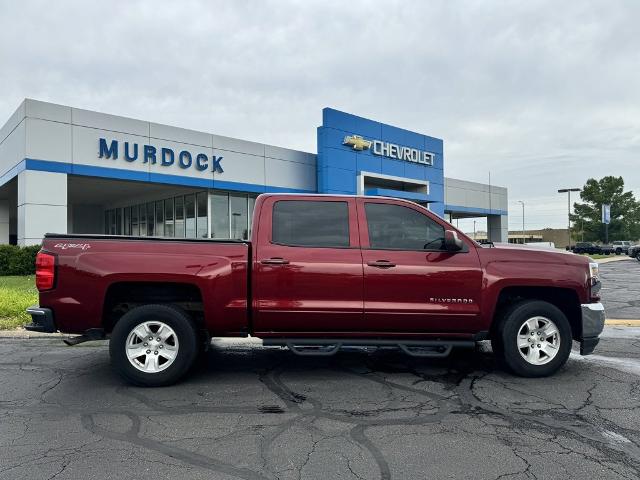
[[520, 201], [568, 192], [474, 229]]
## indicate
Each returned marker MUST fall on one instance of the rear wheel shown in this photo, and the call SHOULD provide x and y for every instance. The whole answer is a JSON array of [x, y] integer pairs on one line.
[[153, 345], [533, 339]]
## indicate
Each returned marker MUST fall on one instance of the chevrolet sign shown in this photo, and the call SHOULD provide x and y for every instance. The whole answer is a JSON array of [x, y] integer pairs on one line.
[[390, 150]]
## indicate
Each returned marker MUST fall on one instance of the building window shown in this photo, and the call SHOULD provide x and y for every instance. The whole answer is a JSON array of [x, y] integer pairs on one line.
[[127, 221], [311, 223], [179, 229], [160, 219], [151, 224], [202, 219], [219, 215], [143, 220], [199, 215], [118, 220], [112, 222], [190, 216], [238, 211], [168, 218], [135, 229]]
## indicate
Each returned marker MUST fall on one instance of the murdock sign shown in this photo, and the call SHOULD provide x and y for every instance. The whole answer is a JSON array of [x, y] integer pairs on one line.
[[165, 157]]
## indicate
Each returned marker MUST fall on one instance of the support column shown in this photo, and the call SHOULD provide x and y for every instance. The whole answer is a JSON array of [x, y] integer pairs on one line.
[[497, 228], [4, 222], [42, 205]]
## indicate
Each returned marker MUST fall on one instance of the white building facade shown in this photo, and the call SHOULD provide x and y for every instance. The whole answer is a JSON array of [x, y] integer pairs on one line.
[[69, 170]]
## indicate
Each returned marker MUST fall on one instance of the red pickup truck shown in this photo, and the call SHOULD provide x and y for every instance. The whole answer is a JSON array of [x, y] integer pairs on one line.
[[321, 272]]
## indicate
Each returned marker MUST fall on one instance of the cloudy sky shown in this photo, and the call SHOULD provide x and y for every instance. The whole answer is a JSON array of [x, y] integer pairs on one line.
[[542, 94]]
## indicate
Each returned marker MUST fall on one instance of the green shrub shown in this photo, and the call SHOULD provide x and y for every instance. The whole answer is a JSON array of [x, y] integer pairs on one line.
[[18, 260]]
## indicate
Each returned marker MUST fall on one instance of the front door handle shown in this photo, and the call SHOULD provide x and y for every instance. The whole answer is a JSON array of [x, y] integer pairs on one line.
[[381, 264], [274, 261]]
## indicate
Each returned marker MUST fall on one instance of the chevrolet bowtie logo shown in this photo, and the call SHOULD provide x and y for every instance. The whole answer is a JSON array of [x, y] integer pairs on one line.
[[357, 142]]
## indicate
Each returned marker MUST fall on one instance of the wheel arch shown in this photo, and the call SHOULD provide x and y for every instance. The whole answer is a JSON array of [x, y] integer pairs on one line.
[[565, 299], [121, 297]]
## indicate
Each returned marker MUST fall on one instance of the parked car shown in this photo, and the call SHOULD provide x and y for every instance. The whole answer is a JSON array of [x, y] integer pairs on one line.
[[607, 249], [321, 272], [634, 252], [621, 247], [586, 247]]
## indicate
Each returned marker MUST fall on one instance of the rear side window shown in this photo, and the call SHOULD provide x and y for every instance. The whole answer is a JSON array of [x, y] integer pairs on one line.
[[311, 223], [402, 228]]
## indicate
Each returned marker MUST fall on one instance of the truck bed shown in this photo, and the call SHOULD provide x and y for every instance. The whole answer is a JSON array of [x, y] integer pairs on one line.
[[98, 273]]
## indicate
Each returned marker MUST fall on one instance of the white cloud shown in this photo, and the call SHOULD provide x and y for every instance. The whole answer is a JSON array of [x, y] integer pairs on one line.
[[543, 94]]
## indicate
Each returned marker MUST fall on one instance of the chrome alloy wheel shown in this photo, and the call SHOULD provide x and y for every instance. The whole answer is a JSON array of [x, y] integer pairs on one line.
[[538, 340], [152, 346]]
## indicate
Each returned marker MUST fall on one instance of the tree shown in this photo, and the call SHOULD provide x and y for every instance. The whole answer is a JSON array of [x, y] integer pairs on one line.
[[625, 211]]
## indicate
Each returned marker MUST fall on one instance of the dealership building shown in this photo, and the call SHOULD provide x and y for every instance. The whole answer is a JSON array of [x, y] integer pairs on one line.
[[69, 170]]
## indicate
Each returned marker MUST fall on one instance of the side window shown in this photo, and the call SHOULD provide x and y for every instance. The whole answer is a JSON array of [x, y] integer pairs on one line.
[[311, 223], [402, 228]]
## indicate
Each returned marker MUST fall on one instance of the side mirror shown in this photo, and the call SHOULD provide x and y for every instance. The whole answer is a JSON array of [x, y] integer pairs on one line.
[[452, 242]]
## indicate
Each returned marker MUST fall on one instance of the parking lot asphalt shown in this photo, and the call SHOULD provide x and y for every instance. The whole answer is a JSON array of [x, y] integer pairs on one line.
[[621, 289], [252, 412]]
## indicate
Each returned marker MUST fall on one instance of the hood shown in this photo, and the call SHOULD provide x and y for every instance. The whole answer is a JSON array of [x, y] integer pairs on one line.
[[514, 252]]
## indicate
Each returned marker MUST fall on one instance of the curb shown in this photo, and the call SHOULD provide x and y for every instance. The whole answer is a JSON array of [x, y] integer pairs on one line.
[[621, 322], [25, 335]]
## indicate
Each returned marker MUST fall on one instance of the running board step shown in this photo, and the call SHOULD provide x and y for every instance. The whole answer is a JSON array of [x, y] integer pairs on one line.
[[88, 336], [331, 346]]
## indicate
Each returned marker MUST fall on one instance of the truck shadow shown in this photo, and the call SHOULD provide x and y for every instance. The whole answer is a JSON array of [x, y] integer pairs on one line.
[[453, 368]]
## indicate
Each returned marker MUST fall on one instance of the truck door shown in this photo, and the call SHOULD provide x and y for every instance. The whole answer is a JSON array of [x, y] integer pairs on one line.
[[307, 273], [411, 284]]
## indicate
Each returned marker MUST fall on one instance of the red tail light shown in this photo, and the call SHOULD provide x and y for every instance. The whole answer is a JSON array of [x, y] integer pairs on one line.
[[45, 271]]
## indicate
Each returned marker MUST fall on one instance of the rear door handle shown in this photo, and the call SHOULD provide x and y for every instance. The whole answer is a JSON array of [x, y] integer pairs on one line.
[[274, 261], [381, 264]]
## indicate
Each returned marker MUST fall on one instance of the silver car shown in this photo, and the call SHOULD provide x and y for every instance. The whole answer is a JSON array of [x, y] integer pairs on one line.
[[621, 246]]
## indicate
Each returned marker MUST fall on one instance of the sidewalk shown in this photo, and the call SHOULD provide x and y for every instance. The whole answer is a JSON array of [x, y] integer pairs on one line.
[[615, 258]]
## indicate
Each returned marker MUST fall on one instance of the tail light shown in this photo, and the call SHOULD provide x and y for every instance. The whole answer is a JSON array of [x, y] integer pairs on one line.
[[45, 271]]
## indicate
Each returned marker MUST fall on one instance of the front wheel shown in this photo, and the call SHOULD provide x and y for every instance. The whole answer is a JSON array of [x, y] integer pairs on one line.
[[153, 345], [534, 338]]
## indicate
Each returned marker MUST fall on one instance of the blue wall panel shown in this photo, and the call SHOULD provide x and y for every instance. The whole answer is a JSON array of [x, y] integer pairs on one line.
[[338, 165], [368, 163], [340, 179], [393, 167], [340, 158]]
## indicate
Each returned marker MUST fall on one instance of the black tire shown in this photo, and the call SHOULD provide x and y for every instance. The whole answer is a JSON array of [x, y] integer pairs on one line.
[[185, 331], [506, 337]]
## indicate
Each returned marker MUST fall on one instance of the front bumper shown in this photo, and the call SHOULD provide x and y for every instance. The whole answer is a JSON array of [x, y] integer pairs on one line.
[[592, 326], [41, 320]]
